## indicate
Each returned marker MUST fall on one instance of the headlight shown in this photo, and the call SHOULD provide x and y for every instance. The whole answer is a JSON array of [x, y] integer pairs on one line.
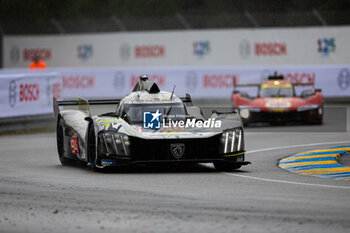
[[245, 111], [112, 143], [307, 107], [232, 141], [320, 111]]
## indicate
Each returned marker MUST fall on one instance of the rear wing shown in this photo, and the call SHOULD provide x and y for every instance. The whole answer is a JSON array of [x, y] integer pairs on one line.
[[244, 85], [258, 84], [83, 104], [247, 85], [303, 84]]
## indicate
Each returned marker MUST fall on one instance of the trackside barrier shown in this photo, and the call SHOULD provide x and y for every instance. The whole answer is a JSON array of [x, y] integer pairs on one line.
[[24, 92]]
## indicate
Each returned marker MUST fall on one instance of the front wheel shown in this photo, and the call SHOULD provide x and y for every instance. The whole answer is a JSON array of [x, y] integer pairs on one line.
[[91, 149], [226, 166], [318, 121], [61, 144]]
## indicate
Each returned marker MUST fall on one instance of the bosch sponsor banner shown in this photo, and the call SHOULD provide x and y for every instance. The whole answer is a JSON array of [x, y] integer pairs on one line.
[[74, 84], [149, 51], [200, 82], [229, 47], [270, 49], [26, 94], [43, 53], [25, 55], [201, 48], [85, 51], [209, 82]]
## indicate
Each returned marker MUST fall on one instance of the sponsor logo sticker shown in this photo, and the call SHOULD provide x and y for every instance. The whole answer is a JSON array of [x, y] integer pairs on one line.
[[201, 48], [14, 55], [177, 150], [151, 120], [149, 51], [44, 53], [244, 49], [29, 92], [119, 80], [125, 52], [107, 162], [270, 49], [326, 46], [78, 82], [74, 145], [344, 79], [191, 80], [154, 120], [85, 51], [12, 93], [217, 81]]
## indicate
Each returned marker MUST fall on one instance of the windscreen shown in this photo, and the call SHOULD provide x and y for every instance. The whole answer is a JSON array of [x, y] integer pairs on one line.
[[173, 111], [276, 91]]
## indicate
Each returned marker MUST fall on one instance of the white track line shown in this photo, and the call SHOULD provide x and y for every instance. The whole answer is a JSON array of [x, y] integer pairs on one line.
[[288, 182], [291, 182], [295, 146]]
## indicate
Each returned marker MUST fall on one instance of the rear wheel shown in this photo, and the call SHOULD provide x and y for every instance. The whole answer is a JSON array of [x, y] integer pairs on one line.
[[226, 166], [61, 144]]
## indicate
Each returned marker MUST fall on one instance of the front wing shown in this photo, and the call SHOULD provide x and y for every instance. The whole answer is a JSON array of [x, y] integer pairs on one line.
[[203, 150]]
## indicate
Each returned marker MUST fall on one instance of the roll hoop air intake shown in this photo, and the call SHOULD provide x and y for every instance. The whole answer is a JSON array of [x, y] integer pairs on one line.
[[146, 85]]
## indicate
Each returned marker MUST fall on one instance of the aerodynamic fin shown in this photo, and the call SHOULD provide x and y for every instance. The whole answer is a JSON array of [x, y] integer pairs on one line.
[[56, 109], [146, 85], [83, 105], [187, 100]]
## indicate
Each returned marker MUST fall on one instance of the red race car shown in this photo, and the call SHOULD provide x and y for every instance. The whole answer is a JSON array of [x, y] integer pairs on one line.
[[277, 101]]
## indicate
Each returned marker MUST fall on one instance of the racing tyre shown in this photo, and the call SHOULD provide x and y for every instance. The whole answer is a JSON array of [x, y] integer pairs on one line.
[[318, 121], [61, 141], [245, 123], [226, 166], [91, 149]]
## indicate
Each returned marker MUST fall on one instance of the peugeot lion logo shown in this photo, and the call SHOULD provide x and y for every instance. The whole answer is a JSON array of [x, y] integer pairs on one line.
[[177, 150]]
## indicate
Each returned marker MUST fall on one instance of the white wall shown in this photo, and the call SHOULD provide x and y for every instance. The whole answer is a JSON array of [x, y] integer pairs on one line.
[[282, 46], [203, 63], [24, 92]]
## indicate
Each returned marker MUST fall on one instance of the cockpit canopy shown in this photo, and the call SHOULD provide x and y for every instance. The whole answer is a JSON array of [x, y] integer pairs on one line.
[[279, 90], [134, 113]]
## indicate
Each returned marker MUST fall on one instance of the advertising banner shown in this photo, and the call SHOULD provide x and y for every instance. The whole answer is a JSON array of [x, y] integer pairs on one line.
[[209, 82], [229, 47], [26, 92]]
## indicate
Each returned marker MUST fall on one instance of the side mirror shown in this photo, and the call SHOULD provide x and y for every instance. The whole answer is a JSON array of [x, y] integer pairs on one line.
[[245, 95], [88, 118], [318, 90], [307, 93]]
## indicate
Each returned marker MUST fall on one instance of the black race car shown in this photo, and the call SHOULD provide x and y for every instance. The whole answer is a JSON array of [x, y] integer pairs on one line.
[[148, 126]]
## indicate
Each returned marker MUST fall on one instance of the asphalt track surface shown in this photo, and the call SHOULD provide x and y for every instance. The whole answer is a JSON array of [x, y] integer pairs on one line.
[[37, 194]]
